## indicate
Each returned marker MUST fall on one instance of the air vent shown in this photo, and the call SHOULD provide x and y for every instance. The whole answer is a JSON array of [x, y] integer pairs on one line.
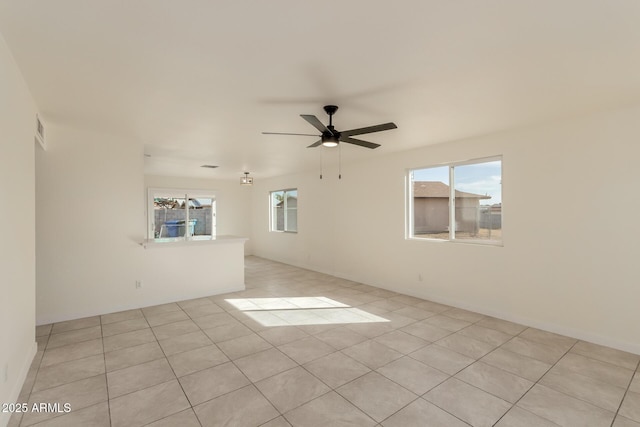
[[40, 132], [209, 166]]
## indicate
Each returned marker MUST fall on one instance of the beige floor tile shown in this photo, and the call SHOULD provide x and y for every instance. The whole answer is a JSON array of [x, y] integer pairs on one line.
[[212, 382], [148, 405], [282, 335], [607, 354], [372, 354], [166, 318], [181, 419], [243, 346], [71, 352], [421, 413], [78, 394], [74, 336], [631, 406], [635, 383], [124, 326], [468, 403], [188, 362], [533, 349], [340, 337], [277, 422], [426, 331], [203, 310], [42, 342], [227, 332], [501, 325], [563, 409], [548, 338], [174, 329], [105, 319], [43, 330], [460, 314], [232, 409], [518, 417], [181, 343], [466, 346], [330, 409], [71, 325], [212, 320], [413, 375], [434, 307], [306, 349], [446, 322], [196, 302], [264, 364], [291, 388], [93, 416], [596, 392], [414, 313], [397, 321], [401, 341], [163, 308], [487, 335], [500, 383], [405, 299], [621, 421], [129, 339], [336, 369], [443, 359], [376, 395], [129, 356], [67, 372], [595, 369], [518, 364], [137, 377], [371, 330]]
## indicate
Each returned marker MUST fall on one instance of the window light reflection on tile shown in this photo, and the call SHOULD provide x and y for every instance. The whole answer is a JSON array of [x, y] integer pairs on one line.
[[301, 311]]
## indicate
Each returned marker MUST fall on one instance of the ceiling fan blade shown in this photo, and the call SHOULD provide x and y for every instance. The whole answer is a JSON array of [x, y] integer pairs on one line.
[[280, 133], [369, 129], [313, 121], [358, 142], [315, 144]]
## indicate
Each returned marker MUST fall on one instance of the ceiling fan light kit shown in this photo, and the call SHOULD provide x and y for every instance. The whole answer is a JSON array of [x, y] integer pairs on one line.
[[246, 179]]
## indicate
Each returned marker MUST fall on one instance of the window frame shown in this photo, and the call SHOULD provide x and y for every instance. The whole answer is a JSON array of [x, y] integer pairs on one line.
[[410, 223], [187, 194], [273, 219]]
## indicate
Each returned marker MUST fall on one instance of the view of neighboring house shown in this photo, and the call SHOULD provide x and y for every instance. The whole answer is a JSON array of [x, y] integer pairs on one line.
[[431, 208]]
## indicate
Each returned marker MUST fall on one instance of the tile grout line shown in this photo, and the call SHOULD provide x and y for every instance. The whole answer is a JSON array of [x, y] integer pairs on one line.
[[625, 393]]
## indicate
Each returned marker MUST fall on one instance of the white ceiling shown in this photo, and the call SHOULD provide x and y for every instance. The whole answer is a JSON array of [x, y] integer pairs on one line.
[[197, 81]]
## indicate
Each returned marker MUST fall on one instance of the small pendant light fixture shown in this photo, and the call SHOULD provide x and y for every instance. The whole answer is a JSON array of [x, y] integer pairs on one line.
[[246, 179]]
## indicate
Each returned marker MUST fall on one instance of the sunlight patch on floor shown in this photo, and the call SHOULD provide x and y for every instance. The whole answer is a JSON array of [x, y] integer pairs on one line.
[[297, 311]]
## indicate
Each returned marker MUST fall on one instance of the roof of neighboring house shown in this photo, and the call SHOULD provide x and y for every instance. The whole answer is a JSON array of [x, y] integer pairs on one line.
[[440, 189]]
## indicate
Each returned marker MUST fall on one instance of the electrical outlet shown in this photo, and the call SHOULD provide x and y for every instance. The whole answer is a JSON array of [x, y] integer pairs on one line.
[[420, 277], [138, 284], [5, 373]]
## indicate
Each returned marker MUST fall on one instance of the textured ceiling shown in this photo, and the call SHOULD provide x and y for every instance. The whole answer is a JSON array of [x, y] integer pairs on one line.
[[198, 81]]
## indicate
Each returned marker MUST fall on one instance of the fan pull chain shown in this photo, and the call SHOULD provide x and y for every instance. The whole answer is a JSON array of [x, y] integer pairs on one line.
[[339, 161], [321, 151]]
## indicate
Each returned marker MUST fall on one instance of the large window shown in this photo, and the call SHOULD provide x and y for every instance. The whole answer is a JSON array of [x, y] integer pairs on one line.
[[284, 210], [181, 214], [457, 202]]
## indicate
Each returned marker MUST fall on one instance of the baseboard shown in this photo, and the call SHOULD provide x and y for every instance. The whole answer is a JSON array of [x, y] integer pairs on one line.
[[17, 387]]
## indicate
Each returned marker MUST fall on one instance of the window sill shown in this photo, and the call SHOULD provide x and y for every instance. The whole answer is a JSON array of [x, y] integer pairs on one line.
[[168, 242], [497, 243]]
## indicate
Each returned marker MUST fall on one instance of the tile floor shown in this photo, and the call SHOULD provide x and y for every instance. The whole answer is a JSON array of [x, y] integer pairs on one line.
[[300, 348]]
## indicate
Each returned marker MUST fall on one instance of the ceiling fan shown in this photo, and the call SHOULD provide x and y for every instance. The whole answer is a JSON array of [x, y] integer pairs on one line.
[[330, 137]]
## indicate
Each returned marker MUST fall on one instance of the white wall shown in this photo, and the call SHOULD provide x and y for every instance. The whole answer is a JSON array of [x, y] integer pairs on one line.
[[17, 245], [90, 222], [233, 202], [570, 228]]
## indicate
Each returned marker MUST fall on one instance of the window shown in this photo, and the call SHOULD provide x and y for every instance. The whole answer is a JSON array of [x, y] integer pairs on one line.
[[181, 214], [284, 210], [457, 202]]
